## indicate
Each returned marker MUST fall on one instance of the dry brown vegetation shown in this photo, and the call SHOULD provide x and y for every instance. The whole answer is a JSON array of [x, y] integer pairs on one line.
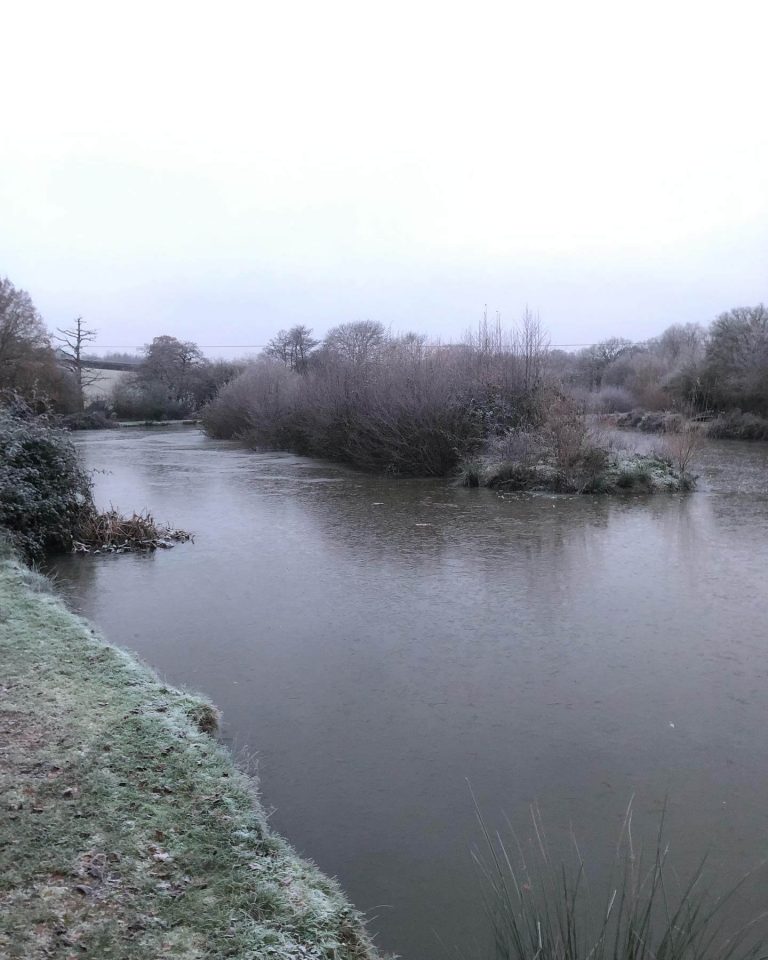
[[111, 532]]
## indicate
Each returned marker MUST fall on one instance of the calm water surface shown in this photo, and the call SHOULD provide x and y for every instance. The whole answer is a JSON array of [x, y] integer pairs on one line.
[[376, 644]]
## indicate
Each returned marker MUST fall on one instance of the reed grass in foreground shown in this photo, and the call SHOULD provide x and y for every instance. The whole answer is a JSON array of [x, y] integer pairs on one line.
[[544, 910], [126, 831]]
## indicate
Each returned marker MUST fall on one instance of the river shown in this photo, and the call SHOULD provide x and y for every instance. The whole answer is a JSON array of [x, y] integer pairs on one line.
[[378, 645]]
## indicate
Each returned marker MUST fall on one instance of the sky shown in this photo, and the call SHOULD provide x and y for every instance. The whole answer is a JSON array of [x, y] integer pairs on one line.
[[218, 171]]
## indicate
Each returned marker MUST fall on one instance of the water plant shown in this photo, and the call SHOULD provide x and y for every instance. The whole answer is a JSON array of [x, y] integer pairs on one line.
[[541, 909], [110, 531]]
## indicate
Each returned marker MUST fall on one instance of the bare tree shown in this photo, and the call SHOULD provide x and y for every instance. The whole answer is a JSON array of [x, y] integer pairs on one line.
[[292, 347], [22, 331], [73, 341], [359, 343], [683, 446], [531, 346], [595, 360], [736, 365]]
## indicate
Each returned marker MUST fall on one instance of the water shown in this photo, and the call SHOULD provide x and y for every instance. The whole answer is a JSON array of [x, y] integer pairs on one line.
[[376, 644]]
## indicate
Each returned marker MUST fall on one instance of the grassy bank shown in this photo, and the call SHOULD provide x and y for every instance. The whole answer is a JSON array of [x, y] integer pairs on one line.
[[733, 425], [126, 830]]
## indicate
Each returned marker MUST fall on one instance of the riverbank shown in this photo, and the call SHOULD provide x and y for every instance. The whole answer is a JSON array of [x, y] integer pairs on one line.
[[127, 831], [734, 425], [592, 470]]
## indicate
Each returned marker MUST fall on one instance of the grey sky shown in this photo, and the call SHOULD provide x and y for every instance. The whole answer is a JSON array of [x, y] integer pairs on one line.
[[218, 171]]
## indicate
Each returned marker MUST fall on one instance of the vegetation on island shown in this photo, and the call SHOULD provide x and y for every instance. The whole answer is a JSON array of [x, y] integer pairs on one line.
[[127, 831], [487, 410], [399, 403]]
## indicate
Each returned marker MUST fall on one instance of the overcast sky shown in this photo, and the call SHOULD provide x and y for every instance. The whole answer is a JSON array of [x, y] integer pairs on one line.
[[219, 170]]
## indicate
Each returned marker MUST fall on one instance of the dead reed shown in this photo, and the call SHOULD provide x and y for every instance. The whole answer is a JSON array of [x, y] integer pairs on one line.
[[109, 531]]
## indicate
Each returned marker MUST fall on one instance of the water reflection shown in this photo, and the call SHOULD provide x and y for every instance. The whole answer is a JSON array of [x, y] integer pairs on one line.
[[378, 643]]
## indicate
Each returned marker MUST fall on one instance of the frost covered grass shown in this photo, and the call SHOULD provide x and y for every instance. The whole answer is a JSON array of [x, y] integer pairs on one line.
[[126, 830], [594, 471]]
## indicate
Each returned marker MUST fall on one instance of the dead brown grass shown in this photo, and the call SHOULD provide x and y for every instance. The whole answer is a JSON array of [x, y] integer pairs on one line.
[[109, 531]]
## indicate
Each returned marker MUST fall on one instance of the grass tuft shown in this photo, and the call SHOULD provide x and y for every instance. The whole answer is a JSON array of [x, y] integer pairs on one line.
[[544, 910]]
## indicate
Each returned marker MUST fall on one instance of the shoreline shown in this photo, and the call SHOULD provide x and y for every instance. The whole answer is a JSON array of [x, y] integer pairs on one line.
[[127, 829]]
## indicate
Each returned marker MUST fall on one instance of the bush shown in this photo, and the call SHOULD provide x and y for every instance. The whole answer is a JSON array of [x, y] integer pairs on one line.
[[134, 401], [413, 415], [738, 426], [89, 420], [44, 491], [610, 400]]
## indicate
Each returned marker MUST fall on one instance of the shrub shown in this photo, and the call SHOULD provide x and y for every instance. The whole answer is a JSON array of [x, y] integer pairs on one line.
[[610, 400], [393, 404], [44, 491], [89, 420], [738, 426], [132, 400], [413, 415]]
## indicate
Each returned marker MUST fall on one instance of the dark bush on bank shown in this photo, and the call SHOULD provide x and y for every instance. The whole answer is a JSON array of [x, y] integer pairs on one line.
[[44, 491], [136, 401], [88, 420], [665, 421]]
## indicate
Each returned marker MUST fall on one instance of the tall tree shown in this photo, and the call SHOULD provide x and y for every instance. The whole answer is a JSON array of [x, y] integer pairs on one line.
[[72, 341], [27, 363], [358, 343], [171, 363], [292, 347], [594, 360], [736, 364], [22, 333], [531, 347]]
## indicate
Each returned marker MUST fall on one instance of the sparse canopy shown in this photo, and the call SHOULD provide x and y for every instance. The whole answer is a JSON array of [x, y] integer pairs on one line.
[[292, 347], [73, 340], [171, 363], [28, 364], [357, 343], [736, 366], [22, 333], [596, 359]]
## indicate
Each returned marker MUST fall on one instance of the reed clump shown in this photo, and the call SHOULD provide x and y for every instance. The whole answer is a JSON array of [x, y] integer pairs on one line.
[[544, 910], [109, 531]]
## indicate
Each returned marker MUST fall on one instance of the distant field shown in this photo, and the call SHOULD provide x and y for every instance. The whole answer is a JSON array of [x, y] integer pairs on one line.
[[102, 388]]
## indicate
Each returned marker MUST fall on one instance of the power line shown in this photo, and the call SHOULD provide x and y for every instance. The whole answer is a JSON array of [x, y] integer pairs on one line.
[[261, 346]]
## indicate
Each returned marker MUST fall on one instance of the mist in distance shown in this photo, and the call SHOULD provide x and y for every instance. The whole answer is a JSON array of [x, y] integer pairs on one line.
[[219, 177]]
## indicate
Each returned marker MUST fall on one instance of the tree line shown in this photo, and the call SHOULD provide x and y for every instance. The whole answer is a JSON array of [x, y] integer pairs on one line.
[[52, 372], [397, 401]]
